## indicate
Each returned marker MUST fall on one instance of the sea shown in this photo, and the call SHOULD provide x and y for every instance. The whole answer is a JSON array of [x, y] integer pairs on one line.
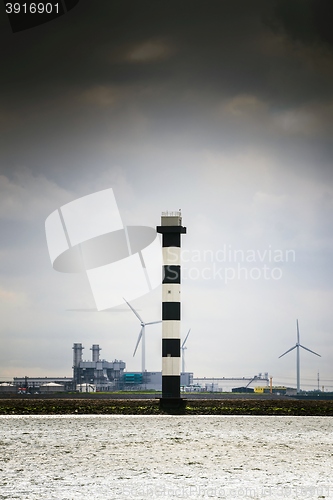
[[99, 457]]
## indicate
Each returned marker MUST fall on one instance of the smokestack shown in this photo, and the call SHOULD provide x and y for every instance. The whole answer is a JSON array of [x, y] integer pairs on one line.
[[77, 358], [95, 352], [77, 354], [171, 229]]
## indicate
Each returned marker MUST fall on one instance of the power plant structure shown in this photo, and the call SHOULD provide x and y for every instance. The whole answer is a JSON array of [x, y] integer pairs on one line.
[[171, 229], [100, 375]]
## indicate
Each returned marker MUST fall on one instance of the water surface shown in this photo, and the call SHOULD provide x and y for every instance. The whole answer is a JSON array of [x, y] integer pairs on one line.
[[115, 457]]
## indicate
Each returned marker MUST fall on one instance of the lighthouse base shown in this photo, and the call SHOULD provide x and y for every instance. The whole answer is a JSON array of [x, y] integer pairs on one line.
[[173, 405]]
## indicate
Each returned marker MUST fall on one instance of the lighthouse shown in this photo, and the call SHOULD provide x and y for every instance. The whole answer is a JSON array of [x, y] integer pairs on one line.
[[171, 229]]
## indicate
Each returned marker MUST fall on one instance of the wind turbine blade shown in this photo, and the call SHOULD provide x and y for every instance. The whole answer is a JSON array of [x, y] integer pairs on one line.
[[297, 332], [188, 333], [136, 314], [153, 322], [288, 351], [138, 342], [309, 350]]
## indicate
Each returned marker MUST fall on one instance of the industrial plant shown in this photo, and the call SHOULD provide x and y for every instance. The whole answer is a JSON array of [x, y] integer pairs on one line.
[[95, 375], [99, 374]]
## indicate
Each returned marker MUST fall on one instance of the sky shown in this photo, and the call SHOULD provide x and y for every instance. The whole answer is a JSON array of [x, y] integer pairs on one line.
[[221, 109]]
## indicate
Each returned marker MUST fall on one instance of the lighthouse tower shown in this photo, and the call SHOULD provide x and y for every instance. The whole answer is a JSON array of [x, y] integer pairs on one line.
[[171, 229]]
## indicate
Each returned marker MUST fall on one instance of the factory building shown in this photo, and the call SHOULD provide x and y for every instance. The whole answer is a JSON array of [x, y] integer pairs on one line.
[[42, 384], [102, 375], [7, 388], [152, 381]]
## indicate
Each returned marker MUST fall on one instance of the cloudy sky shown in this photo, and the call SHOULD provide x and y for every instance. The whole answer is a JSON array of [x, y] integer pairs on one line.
[[223, 109]]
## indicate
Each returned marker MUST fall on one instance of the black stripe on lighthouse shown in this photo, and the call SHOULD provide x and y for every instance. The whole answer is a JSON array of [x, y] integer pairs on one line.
[[171, 348], [170, 311], [171, 239], [171, 274], [171, 386]]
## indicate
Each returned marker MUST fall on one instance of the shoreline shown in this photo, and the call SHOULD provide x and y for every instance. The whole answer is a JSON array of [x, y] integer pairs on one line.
[[112, 406]]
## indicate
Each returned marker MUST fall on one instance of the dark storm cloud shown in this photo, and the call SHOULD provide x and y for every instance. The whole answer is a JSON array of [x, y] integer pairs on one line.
[[308, 21], [216, 47], [216, 74]]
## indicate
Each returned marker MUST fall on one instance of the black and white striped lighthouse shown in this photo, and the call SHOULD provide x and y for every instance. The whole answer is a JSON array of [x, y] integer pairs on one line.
[[171, 229]]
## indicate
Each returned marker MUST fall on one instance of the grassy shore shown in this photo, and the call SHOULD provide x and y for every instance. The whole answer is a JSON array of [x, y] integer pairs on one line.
[[61, 406]]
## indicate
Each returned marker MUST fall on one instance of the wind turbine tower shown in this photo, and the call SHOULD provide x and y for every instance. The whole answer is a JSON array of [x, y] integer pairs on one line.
[[297, 346], [183, 351], [142, 337]]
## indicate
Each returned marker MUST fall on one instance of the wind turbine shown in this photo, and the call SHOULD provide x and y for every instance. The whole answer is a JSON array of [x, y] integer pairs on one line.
[[142, 337], [183, 351], [297, 346]]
